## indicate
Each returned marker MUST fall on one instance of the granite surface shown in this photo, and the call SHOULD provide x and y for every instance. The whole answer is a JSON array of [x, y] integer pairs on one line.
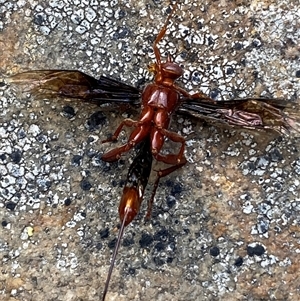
[[223, 227]]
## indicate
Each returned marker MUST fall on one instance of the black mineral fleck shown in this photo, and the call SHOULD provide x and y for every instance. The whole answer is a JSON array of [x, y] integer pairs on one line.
[[112, 243], [68, 112], [11, 206], [67, 202], [76, 160], [16, 156], [256, 250], [96, 119], [146, 240], [214, 251], [104, 233], [238, 262], [85, 185]]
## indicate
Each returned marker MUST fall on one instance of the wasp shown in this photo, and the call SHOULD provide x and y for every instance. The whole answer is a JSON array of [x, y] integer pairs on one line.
[[159, 100]]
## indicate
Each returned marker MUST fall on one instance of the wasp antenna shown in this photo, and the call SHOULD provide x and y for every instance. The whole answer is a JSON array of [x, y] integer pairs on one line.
[[162, 33]]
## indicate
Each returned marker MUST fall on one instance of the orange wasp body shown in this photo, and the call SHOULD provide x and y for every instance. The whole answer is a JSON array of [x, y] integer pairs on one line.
[[159, 100]]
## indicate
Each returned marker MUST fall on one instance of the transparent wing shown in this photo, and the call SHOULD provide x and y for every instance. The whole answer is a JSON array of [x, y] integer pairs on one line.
[[252, 113], [75, 84]]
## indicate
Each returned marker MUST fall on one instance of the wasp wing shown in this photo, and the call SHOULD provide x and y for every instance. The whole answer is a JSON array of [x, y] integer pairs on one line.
[[253, 113], [75, 84]]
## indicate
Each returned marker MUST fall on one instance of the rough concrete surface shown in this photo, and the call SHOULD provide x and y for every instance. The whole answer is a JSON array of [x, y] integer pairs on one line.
[[223, 227]]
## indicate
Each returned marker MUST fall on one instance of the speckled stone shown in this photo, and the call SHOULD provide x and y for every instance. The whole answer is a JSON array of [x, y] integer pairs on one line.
[[224, 227]]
